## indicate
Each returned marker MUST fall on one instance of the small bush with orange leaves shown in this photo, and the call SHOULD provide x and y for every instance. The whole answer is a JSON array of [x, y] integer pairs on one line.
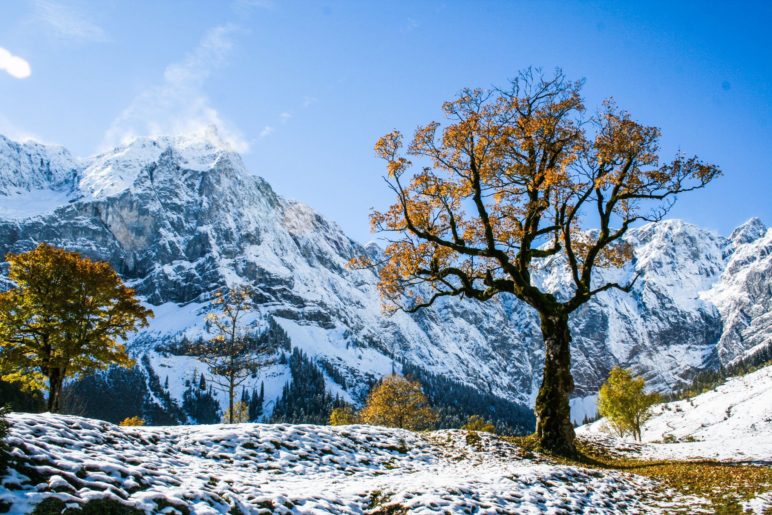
[[132, 421]]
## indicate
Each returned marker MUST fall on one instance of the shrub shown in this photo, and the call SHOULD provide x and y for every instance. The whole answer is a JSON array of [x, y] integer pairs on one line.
[[132, 422], [240, 414], [398, 402], [477, 423], [343, 416]]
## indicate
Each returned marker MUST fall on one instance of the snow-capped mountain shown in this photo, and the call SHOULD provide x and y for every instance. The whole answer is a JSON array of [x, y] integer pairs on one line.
[[181, 217]]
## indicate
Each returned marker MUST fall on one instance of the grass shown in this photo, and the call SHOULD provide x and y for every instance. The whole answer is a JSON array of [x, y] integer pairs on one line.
[[725, 485]]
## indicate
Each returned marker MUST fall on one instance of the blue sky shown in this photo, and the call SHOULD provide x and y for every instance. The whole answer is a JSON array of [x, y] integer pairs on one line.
[[305, 88]]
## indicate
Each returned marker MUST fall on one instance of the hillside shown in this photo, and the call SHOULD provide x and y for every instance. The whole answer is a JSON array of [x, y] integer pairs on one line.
[[254, 468], [181, 217], [732, 422]]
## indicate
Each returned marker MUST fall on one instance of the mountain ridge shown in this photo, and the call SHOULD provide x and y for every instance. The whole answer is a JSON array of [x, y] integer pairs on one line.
[[179, 218]]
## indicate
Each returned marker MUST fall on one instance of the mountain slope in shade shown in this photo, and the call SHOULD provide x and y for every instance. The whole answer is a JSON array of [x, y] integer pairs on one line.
[[181, 217]]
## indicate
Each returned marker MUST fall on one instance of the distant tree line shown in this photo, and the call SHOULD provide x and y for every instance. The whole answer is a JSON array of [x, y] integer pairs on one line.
[[711, 378], [455, 402], [304, 399]]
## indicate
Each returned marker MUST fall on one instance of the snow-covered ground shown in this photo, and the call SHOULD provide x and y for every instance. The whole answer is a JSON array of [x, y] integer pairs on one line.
[[733, 422], [304, 469]]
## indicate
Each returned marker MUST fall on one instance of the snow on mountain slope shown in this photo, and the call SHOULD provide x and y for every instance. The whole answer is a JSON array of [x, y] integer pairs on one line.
[[743, 295], [732, 422], [181, 217], [35, 179], [253, 468]]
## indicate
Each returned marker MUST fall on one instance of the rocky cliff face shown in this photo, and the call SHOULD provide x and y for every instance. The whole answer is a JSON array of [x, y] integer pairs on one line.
[[181, 217]]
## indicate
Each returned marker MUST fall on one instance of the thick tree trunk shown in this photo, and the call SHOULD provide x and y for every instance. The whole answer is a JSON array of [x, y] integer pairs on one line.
[[553, 413], [55, 380]]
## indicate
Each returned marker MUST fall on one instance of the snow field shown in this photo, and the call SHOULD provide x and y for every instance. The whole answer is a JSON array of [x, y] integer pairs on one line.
[[257, 468]]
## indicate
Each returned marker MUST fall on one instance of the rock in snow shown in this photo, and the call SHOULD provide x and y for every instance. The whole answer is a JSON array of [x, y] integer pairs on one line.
[[181, 217]]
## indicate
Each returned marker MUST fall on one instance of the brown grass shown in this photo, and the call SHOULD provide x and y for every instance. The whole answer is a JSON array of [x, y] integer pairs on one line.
[[725, 485]]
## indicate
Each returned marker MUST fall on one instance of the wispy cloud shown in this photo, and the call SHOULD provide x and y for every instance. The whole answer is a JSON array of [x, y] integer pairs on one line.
[[178, 105], [66, 21], [16, 67], [16, 133]]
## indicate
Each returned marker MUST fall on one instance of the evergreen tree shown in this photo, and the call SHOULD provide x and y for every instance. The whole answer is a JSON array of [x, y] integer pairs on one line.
[[304, 400], [112, 395], [198, 403], [455, 402]]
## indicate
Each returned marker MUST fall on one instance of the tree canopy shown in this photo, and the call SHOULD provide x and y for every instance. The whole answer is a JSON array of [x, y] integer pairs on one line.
[[624, 402], [514, 177], [66, 316]]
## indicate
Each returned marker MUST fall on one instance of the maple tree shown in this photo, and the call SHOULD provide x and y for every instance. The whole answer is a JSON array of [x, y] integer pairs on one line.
[[517, 177], [623, 400], [66, 316], [398, 402]]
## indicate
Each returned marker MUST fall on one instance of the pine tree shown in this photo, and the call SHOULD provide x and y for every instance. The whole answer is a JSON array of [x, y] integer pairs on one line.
[[198, 403], [398, 402], [305, 399]]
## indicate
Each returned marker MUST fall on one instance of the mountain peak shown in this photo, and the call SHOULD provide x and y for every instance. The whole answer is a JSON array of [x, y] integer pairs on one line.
[[114, 171], [748, 232]]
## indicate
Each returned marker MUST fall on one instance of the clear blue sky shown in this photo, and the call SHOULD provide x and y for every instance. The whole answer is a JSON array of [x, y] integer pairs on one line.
[[305, 88]]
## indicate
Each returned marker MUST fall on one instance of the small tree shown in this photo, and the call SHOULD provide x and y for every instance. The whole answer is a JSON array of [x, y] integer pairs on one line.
[[236, 414], [132, 422], [398, 402], [344, 416], [231, 354], [65, 317], [624, 402], [477, 423]]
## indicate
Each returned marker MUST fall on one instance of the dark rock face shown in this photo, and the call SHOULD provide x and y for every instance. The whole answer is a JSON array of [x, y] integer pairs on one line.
[[180, 219]]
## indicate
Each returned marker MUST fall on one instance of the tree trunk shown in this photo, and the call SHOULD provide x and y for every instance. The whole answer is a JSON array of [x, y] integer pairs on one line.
[[55, 380], [231, 389], [553, 413]]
